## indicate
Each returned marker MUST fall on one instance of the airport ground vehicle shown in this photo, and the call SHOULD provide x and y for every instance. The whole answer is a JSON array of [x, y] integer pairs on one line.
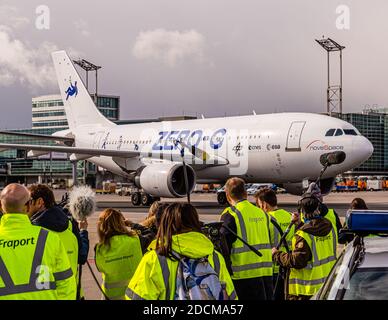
[[361, 271], [124, 189], [108, 187], [374, 185]]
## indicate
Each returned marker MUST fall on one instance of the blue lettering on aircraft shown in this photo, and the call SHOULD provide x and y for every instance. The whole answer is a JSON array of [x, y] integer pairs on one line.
[[194, 138], [72, 90], [218, 137]]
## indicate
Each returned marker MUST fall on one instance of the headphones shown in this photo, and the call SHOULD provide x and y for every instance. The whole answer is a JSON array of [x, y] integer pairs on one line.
[[309, 195]]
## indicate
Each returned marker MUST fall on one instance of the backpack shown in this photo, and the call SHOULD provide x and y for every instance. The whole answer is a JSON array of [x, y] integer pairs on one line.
[[197, 280]]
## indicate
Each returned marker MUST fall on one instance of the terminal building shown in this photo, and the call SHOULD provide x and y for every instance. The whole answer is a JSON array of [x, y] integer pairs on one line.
[[373, 124]]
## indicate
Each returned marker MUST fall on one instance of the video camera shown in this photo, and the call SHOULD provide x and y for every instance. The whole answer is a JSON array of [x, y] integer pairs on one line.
[[142, 230], [64, 201], [212, 231]]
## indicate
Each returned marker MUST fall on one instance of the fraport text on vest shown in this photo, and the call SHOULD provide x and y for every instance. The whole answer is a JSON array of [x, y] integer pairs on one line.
[[160, 310], [16, 243]]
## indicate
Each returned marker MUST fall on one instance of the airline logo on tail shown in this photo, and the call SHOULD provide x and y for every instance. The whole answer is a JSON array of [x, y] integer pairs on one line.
[[72, 90]]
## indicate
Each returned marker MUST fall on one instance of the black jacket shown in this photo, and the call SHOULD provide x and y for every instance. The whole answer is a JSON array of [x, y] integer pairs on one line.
[[55, 219]]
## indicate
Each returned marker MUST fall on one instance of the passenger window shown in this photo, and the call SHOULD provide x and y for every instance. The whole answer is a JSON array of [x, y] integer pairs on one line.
[[350, 132], [339, 132], [330, 133]]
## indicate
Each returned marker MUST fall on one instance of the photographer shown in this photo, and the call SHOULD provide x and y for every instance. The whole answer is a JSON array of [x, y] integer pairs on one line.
[[179, 236], [252, 275], [117, 253], [148, 229], [313, 251], [43, 212]]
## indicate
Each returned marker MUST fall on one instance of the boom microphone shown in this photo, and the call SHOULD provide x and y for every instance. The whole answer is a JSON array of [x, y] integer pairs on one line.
[[328, 159], [82, 202]]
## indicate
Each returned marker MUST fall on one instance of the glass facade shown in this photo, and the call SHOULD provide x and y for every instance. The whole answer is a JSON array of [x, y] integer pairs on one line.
[[373, 126], [48, 116]]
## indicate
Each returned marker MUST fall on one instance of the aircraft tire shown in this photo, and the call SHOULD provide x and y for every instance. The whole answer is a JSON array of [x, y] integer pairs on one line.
[[136, 199]]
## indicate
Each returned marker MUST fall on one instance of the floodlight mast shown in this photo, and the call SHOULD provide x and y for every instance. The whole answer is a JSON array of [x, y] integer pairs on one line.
[[88, 66], [334, 92]]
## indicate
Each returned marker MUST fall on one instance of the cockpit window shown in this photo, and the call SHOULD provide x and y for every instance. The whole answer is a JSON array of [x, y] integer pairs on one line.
[[339, 132], [350, 132], [330, 133]]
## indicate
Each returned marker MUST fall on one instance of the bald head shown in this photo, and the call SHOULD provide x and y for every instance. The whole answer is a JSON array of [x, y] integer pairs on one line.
[[235, 189], [14, 198]]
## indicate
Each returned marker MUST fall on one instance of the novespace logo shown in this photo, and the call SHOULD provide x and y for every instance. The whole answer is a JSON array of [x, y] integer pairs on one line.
[[319, 145]]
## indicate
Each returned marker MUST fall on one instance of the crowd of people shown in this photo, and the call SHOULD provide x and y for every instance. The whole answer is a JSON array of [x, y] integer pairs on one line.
[[268, 253]]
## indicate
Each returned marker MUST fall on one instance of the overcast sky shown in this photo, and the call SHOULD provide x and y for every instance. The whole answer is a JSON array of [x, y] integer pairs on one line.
[[169, 57]]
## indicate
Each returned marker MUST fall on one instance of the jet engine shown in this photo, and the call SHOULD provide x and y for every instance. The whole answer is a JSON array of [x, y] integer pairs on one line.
[[296, 188], [165, 180]]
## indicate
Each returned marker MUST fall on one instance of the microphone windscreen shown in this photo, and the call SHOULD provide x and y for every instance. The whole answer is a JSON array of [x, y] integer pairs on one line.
[[82, 202]]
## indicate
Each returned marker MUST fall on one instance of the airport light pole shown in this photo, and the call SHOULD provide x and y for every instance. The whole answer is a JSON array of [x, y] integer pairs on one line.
[[88, 66], [334, 92]]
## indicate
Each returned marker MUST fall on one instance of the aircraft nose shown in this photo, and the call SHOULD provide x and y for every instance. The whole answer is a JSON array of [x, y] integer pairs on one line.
[[363, 148]]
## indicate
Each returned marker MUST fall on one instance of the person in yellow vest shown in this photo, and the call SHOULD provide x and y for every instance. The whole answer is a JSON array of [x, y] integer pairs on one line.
[[179, 235], [313, 251], [252, 275], [326, 212], [44, 212], [280, 219], [117, 254], [33, 261]]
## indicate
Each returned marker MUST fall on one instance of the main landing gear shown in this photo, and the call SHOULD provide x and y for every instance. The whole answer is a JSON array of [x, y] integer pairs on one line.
[[142, 198]]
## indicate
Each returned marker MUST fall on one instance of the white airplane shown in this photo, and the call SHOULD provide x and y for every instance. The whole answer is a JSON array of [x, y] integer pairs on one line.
[[283, 148]]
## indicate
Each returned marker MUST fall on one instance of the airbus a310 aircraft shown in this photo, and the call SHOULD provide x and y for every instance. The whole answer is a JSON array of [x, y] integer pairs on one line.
[[283, 148]]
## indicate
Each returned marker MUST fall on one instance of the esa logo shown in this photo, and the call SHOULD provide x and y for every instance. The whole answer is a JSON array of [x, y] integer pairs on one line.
[[192, 138], [273, 147]]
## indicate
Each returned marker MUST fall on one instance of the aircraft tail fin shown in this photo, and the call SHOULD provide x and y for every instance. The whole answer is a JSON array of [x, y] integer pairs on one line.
[[79, 106]]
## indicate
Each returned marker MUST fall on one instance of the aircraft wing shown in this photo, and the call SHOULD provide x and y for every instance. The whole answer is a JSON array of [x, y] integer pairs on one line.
[[36, 136], [75, 150], [90, 152]]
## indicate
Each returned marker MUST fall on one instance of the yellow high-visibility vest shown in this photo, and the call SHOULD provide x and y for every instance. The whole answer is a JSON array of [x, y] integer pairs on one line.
[[308, 281], [252, 226], [117, 264], [33, 262], [70, 243], [155, 277], [283, 219]]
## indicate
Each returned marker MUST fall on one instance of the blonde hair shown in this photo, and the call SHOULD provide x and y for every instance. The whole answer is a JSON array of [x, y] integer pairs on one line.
[[151, 218], [111, 223]]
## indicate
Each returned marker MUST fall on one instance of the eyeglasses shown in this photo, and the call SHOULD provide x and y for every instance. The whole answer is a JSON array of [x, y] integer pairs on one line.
[[29, 202]]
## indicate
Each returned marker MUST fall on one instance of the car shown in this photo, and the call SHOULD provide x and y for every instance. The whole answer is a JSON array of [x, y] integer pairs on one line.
[[252, 190], [361, 271]]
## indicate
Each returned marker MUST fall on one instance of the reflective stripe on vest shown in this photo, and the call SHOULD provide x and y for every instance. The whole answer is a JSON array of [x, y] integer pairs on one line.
[[31, 286], [330, 215], [132, 295], [245, 263], [308, 281], [316, 261], [166, 274]]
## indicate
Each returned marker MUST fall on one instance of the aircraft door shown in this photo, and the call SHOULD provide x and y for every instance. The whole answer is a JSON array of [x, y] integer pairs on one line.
[[294, 135]]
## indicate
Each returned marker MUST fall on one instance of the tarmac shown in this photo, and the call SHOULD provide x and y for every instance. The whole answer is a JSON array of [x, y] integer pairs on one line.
[[209, 210]]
